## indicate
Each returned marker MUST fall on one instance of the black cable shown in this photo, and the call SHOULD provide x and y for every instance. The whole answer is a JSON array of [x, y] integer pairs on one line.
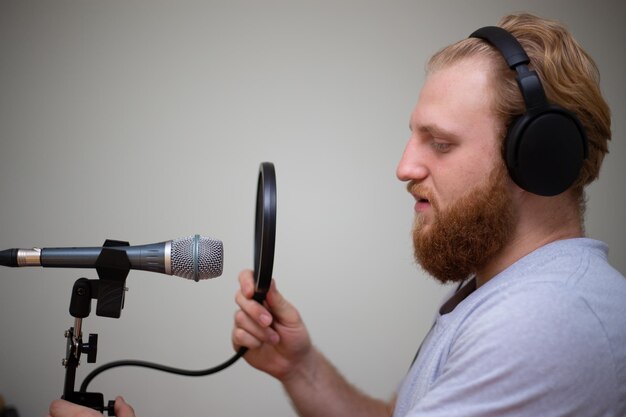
[[83, 387]]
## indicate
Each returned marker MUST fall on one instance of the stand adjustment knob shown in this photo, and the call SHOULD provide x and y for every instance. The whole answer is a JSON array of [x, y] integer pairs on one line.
[[111, 408], [91, 348]]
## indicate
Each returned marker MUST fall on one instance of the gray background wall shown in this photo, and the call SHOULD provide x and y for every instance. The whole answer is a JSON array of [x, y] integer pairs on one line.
[[146, 121]]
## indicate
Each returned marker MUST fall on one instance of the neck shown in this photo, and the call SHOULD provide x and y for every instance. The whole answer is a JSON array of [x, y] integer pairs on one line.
[[541, 220]]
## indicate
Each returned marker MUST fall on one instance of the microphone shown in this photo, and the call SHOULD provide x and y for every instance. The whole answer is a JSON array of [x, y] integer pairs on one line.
[[193, 257]]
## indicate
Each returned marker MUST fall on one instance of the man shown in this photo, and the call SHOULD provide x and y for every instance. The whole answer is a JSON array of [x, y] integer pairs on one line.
[[537, 326]]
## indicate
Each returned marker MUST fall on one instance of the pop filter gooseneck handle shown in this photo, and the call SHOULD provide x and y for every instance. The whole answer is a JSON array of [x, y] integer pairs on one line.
[[264, 239]]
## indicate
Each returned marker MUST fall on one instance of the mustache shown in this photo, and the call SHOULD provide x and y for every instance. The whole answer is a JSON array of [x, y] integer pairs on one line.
[[419, 191]]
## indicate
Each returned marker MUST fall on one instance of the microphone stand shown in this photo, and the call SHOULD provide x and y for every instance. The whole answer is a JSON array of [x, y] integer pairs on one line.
[[113, 267]]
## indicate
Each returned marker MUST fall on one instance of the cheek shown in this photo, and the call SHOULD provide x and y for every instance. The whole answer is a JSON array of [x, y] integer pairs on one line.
[[460, 180]]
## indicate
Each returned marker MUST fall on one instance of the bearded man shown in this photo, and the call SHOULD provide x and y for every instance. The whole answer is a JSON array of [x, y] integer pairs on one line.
[[536, 327]]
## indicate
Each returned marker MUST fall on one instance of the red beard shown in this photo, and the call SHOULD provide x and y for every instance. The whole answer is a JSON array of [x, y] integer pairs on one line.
[[469, 233]]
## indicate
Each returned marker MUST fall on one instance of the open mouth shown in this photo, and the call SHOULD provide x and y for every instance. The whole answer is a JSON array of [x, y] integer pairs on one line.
[[422, 204], [421, 195]]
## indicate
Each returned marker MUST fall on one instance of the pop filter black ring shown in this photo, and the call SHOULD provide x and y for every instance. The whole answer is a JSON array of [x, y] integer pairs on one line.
[[264, 230]]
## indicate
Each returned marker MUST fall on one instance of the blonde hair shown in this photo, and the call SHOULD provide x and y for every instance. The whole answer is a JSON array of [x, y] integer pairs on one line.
[[569, 76]]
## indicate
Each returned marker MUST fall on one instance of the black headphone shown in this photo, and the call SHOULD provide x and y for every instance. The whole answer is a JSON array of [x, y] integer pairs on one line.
[[545, 147]]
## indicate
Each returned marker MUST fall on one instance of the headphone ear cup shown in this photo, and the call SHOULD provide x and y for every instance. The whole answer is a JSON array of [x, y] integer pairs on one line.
[[544, 151]]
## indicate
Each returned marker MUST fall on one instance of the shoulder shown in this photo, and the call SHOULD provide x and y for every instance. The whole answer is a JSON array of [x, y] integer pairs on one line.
[[535, 349], [542, 315], [544, 338], [566, 291]]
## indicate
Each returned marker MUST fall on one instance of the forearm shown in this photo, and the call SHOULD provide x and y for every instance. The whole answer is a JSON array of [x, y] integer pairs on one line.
[[318, 389]]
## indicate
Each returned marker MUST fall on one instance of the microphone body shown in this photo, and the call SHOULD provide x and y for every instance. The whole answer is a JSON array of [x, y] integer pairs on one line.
[[193, 257]]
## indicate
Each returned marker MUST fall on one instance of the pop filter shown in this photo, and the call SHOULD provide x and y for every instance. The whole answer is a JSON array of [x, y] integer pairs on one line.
[[264, 230]]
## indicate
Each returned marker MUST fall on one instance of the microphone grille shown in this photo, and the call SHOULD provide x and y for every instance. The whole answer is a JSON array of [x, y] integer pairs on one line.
[[197, 257]]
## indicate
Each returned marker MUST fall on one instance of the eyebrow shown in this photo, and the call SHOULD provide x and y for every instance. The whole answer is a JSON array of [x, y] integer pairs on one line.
[[435, 130]]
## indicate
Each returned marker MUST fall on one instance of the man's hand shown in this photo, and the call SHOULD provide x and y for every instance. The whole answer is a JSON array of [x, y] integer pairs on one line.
[[279, 344], [274, 332], [62, 408]]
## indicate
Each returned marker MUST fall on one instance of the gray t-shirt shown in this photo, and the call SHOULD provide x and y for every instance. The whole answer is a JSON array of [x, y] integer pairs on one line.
[[546, 337]]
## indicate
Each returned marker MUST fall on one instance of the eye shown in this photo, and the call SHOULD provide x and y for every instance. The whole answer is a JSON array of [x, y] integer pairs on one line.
[[441, 147]]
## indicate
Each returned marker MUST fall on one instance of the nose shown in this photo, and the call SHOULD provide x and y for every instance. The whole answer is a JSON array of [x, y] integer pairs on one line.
[[411, 165]]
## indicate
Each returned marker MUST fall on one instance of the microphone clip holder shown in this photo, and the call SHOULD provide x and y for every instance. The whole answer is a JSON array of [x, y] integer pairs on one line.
[[113, 267]]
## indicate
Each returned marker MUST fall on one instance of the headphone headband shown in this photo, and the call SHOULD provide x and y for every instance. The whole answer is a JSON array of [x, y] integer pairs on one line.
[[517, 59], [507, 44]]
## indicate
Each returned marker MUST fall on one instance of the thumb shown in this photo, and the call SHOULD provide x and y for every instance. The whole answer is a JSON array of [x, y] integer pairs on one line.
[[282, 310], [122, 409]]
